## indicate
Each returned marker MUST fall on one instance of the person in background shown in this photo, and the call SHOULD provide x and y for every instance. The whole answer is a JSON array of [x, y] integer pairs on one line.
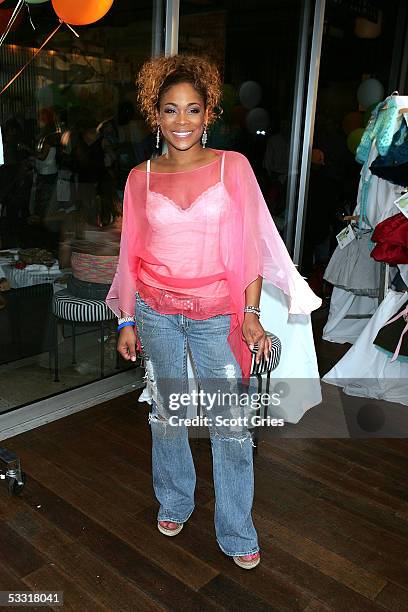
[[88, 163], [125, 144], [46, 162], [91, 253], [16, 175]]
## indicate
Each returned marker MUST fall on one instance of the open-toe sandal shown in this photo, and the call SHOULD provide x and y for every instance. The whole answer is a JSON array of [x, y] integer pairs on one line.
[[169, 532], [248, 561]]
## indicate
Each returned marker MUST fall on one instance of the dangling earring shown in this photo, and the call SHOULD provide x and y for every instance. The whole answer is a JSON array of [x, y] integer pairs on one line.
[[204, 137], [158, 137]]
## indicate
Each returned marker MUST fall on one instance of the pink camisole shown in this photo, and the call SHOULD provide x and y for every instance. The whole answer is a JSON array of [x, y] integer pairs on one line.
[[169, 221]]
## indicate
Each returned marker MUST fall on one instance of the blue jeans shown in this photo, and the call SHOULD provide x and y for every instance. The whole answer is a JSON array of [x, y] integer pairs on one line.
[[165, 341]]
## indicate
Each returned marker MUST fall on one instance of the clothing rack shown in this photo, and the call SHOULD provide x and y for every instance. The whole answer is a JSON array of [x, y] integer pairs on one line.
[[397, 107]]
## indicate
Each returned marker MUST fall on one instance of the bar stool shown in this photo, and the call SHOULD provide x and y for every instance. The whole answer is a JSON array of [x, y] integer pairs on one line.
[[68, 308]]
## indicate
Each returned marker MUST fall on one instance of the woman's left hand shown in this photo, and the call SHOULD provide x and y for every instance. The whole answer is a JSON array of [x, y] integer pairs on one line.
[[254, 333]]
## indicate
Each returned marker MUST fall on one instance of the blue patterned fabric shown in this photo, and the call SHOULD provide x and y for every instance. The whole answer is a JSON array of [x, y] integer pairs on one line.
[[380, 128], [393, 166]]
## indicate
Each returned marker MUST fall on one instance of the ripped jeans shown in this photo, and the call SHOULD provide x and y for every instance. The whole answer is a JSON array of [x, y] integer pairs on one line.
[[165, 340]]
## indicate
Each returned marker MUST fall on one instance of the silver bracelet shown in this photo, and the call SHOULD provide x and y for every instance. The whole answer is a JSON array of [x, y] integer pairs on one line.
[[126, 320], [253, 310]]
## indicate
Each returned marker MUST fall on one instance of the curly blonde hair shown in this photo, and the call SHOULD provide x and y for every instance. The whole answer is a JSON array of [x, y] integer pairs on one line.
[[160, 73]]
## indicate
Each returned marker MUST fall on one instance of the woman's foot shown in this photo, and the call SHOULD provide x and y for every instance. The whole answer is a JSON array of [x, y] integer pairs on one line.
[[169, 528], [248, 561]]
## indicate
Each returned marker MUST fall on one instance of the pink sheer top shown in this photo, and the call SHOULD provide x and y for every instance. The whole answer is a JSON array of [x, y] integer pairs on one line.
[[167, 242], [202, 236]]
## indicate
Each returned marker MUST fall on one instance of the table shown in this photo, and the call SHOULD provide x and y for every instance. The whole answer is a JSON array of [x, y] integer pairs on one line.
[[30, 275]]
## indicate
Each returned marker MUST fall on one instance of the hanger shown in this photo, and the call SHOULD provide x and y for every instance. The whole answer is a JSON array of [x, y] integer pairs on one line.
[[394, 93]]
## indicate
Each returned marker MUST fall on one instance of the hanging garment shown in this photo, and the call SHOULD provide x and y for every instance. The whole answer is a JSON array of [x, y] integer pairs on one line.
[[348, 316], [403, 270], [298, 377], [385, 120], [375, 200], [391, 236], [393, 336], [376, 197], [352, 269], [393, 166], [188, 230], [397, 282], [364, 370]]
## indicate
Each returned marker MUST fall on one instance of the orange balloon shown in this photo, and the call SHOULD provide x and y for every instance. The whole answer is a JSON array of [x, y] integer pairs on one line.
[[317, 157], [81, 12], [351, 122]]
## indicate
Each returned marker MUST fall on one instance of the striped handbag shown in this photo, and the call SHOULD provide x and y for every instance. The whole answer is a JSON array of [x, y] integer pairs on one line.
[[267, 365]]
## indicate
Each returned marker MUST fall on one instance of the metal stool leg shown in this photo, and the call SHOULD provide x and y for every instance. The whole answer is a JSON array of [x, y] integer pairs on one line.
[[12, 474], [102, 348], [56, 373], [268, 384], [73, 343], [258, 412]]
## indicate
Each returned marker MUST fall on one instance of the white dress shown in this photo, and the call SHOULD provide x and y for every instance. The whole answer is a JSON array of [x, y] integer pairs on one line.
[[348, 316], [366, 371]]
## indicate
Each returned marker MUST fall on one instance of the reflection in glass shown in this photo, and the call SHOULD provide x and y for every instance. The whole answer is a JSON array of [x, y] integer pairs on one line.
[[71, 134]]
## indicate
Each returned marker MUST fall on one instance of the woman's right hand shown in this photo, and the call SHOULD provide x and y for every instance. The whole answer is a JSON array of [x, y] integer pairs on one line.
[[127, 343]]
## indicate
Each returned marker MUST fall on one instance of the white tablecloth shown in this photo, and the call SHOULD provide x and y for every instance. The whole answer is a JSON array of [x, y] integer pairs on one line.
[[30, 275]]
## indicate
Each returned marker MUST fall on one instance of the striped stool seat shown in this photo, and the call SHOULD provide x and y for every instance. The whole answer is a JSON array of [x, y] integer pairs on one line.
[[71, 308]]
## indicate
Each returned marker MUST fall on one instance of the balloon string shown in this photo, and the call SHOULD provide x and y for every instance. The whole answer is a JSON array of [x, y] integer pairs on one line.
[[13, 18], [29, 16], [47, 40], [71, 28]]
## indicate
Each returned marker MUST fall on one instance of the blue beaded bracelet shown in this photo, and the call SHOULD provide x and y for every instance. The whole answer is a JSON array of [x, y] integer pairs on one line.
[[125, 324]]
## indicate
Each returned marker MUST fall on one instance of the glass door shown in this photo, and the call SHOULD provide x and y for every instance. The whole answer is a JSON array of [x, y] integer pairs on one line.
[[263, 50], [71, 133], [361, 42]]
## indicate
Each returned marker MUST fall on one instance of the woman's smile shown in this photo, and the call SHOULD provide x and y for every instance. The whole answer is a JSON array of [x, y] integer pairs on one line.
[[182, 134]]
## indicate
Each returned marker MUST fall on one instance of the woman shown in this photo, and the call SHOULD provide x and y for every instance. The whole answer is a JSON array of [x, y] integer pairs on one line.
[[46, 162], [197, 239], [92, 253]]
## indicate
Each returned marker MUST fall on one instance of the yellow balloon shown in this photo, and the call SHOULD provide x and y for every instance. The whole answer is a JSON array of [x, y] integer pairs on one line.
[[354, 138]]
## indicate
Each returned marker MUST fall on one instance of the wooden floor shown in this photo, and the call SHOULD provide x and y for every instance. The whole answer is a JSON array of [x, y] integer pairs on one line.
[[332, 517]]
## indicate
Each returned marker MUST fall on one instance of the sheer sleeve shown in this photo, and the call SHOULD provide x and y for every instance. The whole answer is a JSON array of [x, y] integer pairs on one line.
[[121, 296], [253, 246]]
